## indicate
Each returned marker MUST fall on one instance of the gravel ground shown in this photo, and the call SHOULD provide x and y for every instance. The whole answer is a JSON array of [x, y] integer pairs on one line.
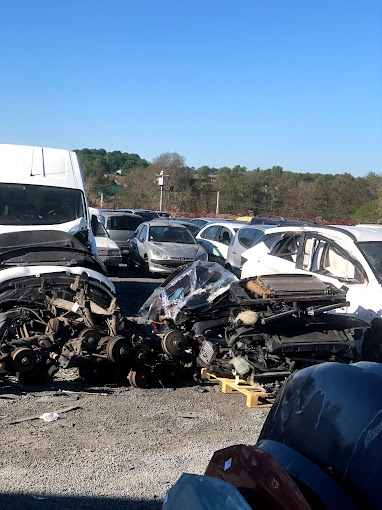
[[120, 447]]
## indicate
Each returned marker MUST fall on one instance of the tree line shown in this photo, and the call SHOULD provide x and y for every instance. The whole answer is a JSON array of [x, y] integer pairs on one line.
[[324, 197]]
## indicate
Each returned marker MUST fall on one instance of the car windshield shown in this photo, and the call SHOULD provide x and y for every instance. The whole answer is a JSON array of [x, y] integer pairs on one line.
[[99, 230], [372, 251], [165, 234], [192, 228], [28, 204], [147, 215]]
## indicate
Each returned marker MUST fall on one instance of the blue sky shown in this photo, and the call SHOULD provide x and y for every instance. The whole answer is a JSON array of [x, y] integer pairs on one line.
[[295, 83]]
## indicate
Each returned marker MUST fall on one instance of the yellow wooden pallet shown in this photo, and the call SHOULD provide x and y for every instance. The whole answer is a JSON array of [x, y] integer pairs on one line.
[[252, 392]]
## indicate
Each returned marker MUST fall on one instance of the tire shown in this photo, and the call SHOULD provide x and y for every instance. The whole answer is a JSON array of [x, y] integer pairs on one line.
[[140, 377], [129, 262], [145, 269]]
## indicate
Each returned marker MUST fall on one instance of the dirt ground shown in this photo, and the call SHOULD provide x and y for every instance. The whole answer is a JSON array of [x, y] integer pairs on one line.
[[112, 447]]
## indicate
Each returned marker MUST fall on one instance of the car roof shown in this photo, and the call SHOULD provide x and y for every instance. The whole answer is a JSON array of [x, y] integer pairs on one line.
[[107, 214], [163, 223], [358, 233], [232, 224], [256, 227]]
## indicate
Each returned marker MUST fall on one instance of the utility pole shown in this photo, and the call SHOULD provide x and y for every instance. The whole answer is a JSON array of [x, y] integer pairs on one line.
[[217, 202], [160, 180]]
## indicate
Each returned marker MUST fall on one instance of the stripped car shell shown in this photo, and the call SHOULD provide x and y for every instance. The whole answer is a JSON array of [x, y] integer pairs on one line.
[[57, 309]]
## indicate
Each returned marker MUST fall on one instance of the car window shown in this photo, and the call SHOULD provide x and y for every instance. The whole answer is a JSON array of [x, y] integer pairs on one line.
[[165, 234], [248, 236], [335, 264], [286, 248], [99, 229], [321, 256], [225, 235], [143, 232], [312, 253], [138, 231], [123, 222], [211, 233]]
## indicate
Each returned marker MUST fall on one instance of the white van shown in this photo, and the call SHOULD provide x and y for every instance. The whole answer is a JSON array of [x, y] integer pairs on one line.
[[43, 189]]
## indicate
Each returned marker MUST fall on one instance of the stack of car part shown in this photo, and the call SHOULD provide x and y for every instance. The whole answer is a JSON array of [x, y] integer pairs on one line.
[[260, 328]]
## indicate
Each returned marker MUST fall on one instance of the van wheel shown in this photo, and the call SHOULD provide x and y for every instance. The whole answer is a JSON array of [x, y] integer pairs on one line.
[[145, 270]]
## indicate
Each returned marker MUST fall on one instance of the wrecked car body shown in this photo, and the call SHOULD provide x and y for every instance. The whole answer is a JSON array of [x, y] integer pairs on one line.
[[262, 329], [58, 309], [320, 447]]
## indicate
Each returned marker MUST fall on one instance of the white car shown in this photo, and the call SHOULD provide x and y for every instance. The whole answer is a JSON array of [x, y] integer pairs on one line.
[[246, 237], [107, 250], [348, 257], [215, 239]]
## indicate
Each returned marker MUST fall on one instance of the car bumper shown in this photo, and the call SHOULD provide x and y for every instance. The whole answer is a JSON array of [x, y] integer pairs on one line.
[[111, 261], [167, 266]]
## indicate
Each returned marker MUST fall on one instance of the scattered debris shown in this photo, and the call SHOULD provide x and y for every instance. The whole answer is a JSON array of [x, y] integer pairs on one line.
[[38, 416], [49, 416]]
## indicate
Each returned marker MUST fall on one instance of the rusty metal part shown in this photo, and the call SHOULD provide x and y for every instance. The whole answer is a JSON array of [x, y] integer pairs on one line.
[[23, 359], [260, 288], [103, 342], [4, 364], [169, 372], [90, 337], [141, 352], [118, 349], [174, 343], [140, 377]]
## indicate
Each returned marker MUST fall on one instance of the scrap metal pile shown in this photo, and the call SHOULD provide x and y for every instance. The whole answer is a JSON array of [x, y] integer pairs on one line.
[[58, 310], [262, 328]]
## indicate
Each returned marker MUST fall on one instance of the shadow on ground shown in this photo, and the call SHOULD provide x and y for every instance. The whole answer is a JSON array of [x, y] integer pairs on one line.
[[32, 502]]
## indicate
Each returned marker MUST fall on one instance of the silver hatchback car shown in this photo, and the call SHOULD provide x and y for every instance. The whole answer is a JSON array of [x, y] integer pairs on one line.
[[161, 246]]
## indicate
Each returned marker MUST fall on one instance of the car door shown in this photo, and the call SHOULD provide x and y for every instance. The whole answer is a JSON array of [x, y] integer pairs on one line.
[[207, 239], [140, 240], [322, 256], [245, 239], [133, 245], [332, 263]]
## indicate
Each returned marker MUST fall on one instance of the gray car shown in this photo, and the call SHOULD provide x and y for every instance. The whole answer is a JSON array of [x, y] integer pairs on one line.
[[162, 246], [245, 238], [120, 227]]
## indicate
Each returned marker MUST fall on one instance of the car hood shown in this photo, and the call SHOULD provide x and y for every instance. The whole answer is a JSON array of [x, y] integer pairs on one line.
[[105, 242], [45, 247], [71, 227], [177, 250], [14, 273]]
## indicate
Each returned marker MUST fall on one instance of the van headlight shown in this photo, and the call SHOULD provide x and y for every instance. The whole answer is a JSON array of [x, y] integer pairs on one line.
[[159, 254], [114, 253]]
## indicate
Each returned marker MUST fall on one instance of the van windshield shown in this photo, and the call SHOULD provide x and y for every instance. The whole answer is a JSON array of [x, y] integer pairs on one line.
[[28, 204]]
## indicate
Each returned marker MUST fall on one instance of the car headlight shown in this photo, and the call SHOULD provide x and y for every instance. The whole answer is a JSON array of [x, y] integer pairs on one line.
[[159, 254], [114, 253], [203, 256]]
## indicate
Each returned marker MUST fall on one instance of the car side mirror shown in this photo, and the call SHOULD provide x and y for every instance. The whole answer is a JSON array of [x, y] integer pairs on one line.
[[93, 222]]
